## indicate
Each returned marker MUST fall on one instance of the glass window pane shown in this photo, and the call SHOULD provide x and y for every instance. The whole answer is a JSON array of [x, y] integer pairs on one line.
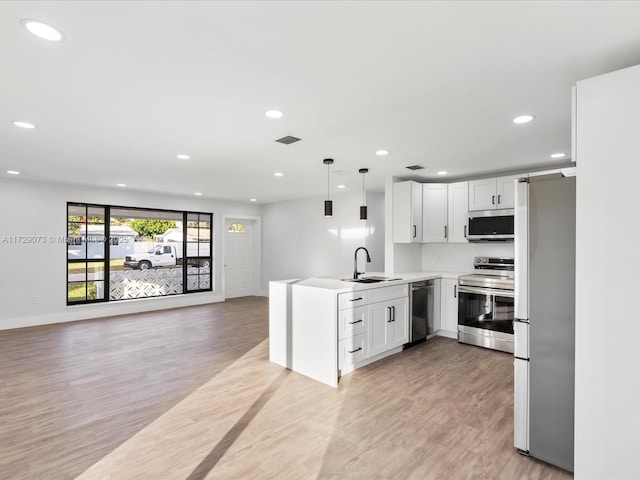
[[95, 290], [76, 213], [95, 271], [76, 272], [76, 292], [205, 282], [193, 282], [96, 214]]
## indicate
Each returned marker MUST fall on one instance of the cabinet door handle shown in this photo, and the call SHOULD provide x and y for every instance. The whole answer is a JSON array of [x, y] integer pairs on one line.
[[389, 315], [357, 321], [455, 291], [498, 199], [354, 351], [493, 199], [393, 311], [445, 231], [355, 299], [415, 231], [465, 231]]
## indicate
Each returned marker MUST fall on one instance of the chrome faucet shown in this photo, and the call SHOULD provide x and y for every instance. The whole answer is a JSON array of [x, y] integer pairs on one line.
[[356, 273]]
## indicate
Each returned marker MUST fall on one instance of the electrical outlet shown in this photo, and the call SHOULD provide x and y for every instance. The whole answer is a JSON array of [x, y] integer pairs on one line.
[[36, 299]]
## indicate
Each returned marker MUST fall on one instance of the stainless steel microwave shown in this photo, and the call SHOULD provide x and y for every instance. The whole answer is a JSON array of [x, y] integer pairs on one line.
[[490, 226]]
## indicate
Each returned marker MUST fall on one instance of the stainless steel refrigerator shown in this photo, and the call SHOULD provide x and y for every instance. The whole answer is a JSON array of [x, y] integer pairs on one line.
[[544, 326]]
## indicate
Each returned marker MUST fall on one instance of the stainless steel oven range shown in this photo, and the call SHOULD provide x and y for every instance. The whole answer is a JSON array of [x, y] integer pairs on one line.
[[485, 304]]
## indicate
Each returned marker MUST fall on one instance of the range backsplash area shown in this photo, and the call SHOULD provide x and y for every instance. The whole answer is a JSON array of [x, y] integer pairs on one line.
[[458, 257]]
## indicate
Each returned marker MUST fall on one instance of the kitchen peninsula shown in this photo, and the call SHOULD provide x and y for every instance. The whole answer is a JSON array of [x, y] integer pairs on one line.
[[326, 327]]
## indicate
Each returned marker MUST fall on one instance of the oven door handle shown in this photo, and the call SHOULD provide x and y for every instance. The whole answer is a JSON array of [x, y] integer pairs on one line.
[[486, 291]]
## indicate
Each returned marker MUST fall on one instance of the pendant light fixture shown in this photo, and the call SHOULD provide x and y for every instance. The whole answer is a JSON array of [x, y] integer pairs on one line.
[[363, 208], [328, 204]]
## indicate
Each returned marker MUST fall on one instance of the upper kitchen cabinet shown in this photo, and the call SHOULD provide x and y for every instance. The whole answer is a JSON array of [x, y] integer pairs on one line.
[[434, 213], [407, 212], [458, 203], [492, 193]]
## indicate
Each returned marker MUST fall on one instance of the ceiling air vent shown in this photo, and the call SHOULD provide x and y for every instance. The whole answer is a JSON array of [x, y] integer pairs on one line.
[[415, 167], [288, 140]]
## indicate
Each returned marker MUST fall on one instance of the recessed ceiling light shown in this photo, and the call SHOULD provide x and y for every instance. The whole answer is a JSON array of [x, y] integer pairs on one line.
[[197, 194], [13, 172], [253, 200], [183, 156], [278, 174], [274, 113], [24, 124], [41, 30], [558, 155], [523, 119], [342, 186], [122, 185], [442, 172], [382, 153]]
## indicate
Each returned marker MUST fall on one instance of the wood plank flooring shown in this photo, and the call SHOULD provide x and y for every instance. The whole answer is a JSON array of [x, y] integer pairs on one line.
[[189, 394]]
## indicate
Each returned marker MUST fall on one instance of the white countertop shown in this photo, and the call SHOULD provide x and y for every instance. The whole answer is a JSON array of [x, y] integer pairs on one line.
[[339, 286]]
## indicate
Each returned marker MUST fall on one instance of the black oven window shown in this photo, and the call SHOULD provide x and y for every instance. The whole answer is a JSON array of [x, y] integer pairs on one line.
[[486, 311]]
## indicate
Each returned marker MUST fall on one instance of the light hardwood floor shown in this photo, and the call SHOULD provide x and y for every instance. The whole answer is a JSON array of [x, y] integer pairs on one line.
[[189, 394]]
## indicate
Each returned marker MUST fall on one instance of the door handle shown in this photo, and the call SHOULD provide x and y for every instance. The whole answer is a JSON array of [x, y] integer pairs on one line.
[[455, 291], [445, 231], [465, 231], [493, 199], [415, 231], [357, 321], [498, 199], [355, 299], [389, 315], [393, 310], [356, 350]]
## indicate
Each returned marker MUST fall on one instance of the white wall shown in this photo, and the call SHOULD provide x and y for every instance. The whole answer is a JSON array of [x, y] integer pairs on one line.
[[458, 257], [607, 413], [299, 241], [39, 269]]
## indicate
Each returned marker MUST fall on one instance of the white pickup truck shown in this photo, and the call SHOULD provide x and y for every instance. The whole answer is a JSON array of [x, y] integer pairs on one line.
[[169, 254]]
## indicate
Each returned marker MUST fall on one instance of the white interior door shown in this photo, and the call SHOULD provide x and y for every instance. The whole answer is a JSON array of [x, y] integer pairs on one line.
[[239, 258]]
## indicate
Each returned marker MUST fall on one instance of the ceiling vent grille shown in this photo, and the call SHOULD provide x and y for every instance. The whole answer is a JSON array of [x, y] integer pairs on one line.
[[288, 140], [415, 167]]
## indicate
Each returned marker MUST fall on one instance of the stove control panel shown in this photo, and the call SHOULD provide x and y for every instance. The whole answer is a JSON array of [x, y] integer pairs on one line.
[[493, 263]]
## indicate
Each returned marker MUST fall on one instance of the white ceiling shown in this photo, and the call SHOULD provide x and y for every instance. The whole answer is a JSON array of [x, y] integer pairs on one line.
[[436, 83]]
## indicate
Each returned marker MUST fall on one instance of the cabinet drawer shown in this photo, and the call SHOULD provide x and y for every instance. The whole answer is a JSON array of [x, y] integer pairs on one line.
[[352, 321], [352, 299], [388, 293], [352, 350]]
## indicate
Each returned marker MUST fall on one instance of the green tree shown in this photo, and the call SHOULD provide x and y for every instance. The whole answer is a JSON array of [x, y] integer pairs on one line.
[[150, 228]]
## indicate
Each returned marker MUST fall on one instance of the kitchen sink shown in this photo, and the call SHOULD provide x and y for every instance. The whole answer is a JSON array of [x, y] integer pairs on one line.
[[370, 279]]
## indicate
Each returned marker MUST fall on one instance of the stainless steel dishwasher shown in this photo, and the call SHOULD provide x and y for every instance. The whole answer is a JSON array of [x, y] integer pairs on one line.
[[422, 307]]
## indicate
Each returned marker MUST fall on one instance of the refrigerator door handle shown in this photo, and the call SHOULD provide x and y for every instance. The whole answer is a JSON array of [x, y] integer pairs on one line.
[[521, 248]]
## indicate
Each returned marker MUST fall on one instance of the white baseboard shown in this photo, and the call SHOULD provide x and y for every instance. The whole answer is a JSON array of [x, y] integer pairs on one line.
[[99, 310], [448, 334]]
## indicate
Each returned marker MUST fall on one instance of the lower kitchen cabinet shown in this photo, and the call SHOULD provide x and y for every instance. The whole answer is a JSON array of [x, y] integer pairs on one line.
[[388, 325], [449, 308], [329, 334], [352, 350]]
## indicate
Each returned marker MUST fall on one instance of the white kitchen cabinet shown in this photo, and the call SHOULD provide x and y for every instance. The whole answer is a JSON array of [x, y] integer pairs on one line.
[[379, 315], [492, 193], [449, 308], [506, 190], [388, 325], [434, 213], [457, 212], [351, 351], [407, 212], [482, 194]]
